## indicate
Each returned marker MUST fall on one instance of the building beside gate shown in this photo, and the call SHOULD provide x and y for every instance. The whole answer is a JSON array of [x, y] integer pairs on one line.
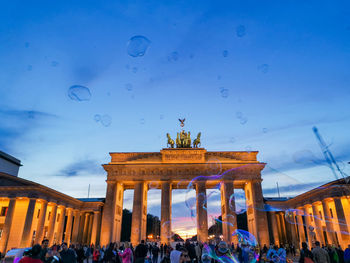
[[30, 212]]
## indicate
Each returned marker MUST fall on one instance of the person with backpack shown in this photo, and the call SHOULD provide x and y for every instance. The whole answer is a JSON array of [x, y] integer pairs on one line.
[[305, 254], [155, 252]]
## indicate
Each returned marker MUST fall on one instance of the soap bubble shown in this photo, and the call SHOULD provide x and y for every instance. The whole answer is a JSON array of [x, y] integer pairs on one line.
[[239, 114], [142, 121], [79, 93], [29, 67], [264, 130], [225, 53], [264, 68], [161, 116], [128, 87], [213, 167], [154, 185], [243, 120], [232, 140], [224, 92], [106, 120], [134, 69], [137, 46], [218, 77], [174, 56], [244, 237], [54, 63], [240, 31], [166, 224], [97, 117], [26, 44]]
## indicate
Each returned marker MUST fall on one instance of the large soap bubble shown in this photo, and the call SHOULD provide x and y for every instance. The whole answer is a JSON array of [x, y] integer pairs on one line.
[[244, 237], [79, 93], [138, 45]]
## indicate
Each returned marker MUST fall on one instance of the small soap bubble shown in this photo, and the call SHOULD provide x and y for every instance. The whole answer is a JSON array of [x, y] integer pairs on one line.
[[142, 121], [224, 92], [232, 140], [243, 120], [26, 44], [134, 69], [174, 56], [106, 120], [108, 94], [154, 185], [97, 117], [240, 31], [264, 130], [54, 63], [138, 45], [239, 114], [29, 67], [191, 56], [79, 93], [264, 68], [161, 117], [218, 77], [225, 53], [127, 66], [128, 86]]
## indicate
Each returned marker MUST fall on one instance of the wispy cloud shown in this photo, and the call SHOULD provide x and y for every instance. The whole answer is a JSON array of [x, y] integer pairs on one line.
[[17, 123], [83, 167]]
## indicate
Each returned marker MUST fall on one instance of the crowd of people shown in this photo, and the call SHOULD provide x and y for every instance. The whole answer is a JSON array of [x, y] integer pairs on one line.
[[192, 252]]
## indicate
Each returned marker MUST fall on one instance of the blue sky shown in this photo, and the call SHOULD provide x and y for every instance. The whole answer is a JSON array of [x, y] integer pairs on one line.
[[281, 66]]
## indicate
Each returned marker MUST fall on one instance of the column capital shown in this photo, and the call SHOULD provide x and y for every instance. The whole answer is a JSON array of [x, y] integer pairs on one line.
[[97, 212]]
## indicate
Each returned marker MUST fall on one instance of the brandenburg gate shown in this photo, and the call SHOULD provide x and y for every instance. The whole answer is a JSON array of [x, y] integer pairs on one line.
[[176, 168]]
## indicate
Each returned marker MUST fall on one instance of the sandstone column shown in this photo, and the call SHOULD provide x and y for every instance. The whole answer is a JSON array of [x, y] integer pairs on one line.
[[300, 226], [41, 223], [165, 227], [76, 226], [202, 217], [308, 224], [91, 218], [318, 223], [228, 211], [118, 214], [81, 227], [274, 226], [52, 222], [61, 224], [329, 223], [86, 228], [279, 227], [27, 233], [7, 225], [94, 227], [260, 217], [341, 222], [112, 213], [68, 232], [139, 214]]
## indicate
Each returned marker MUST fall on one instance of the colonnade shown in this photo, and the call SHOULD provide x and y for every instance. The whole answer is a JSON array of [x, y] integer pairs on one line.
[[111, 219], [325, 221], [27, 221]]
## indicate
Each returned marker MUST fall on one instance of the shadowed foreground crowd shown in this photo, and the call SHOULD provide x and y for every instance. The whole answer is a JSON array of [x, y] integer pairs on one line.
[[183, 253]]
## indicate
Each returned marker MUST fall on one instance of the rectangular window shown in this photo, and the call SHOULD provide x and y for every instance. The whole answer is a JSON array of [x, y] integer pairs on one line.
[[3, 211]]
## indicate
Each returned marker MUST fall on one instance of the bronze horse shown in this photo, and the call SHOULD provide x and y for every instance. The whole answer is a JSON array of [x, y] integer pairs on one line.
[[170, 141], [197, 141]]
